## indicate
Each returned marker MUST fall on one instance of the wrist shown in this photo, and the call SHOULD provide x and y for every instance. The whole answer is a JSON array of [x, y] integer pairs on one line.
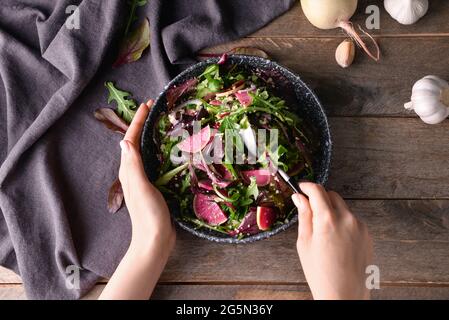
[[153, 243]]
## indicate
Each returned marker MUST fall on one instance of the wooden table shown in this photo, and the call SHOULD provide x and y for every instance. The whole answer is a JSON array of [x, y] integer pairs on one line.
[[392, 168]]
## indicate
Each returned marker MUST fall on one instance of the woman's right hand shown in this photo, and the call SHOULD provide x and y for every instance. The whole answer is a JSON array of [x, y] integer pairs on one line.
[[333, 245]]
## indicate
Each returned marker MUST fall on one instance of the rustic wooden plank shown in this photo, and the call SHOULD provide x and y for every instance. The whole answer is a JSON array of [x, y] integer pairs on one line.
[[411, 244], [411, 237], [284, 292], [367, 87], [276, 260], [390, 158], [250, 292], [295, 24]]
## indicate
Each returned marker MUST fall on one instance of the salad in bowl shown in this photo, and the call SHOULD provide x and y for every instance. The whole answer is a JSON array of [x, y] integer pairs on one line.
[[220, 141]]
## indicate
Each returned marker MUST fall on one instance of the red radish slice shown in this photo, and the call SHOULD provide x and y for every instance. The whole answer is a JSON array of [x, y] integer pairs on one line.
[[263, 176], [215, 102], [207, 210], [196, 142], [266, 216], [223, 59], [206, 185], [224, 172], [244, 98], [248, 226]]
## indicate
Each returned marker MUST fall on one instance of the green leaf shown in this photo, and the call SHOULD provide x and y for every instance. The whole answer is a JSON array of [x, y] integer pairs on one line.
[[132, 12], [226, 124], [126, 108], [185, 183], [213, 71], [221, 195], [162, 181], [141, 3], [252, 189], [134, 44], [231, 169], [281, 151]]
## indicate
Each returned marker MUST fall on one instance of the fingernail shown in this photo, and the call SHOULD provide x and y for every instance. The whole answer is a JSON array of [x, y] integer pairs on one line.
[[124, 146], [297, 201], [150, 104]]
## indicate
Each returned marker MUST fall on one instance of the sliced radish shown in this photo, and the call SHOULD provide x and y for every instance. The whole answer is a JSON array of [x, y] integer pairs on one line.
[[244, 98], [215, 102], [207, 210], [197, 141], [266, 216], [263, 176], [206, 185], [248, 226], [224, 172]]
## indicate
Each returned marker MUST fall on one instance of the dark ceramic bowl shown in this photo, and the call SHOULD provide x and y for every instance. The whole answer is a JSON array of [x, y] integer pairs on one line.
[[299, 98]]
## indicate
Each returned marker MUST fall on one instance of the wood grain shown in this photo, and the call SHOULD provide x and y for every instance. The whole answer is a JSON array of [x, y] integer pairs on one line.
[[366, 88], [411, 242], [285, 292], [411, 245], [295, 24], [390, 158], [250, 292]]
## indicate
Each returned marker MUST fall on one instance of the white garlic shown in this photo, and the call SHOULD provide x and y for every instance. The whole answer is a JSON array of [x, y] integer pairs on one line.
[[345, 53], [430, 99], [406, 11]]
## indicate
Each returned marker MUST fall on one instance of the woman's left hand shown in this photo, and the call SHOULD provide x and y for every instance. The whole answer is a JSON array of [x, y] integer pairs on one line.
[[150, 217], [153, 234]]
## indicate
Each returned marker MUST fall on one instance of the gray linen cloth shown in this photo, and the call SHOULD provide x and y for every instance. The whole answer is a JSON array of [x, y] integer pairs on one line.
[[57, 161]]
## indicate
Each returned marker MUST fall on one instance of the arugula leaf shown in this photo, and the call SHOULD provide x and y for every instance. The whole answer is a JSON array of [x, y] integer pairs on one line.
[[212, 71], [210, 81], [134, 44], [226, 124], [166, 149], [252, 189], [126, 108]]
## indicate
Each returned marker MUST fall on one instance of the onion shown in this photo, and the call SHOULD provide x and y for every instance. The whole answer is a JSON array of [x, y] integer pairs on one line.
[[331, 14]]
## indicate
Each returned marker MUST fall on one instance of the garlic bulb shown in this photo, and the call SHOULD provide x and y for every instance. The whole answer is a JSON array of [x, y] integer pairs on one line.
[[430, 99], [406, 11]]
